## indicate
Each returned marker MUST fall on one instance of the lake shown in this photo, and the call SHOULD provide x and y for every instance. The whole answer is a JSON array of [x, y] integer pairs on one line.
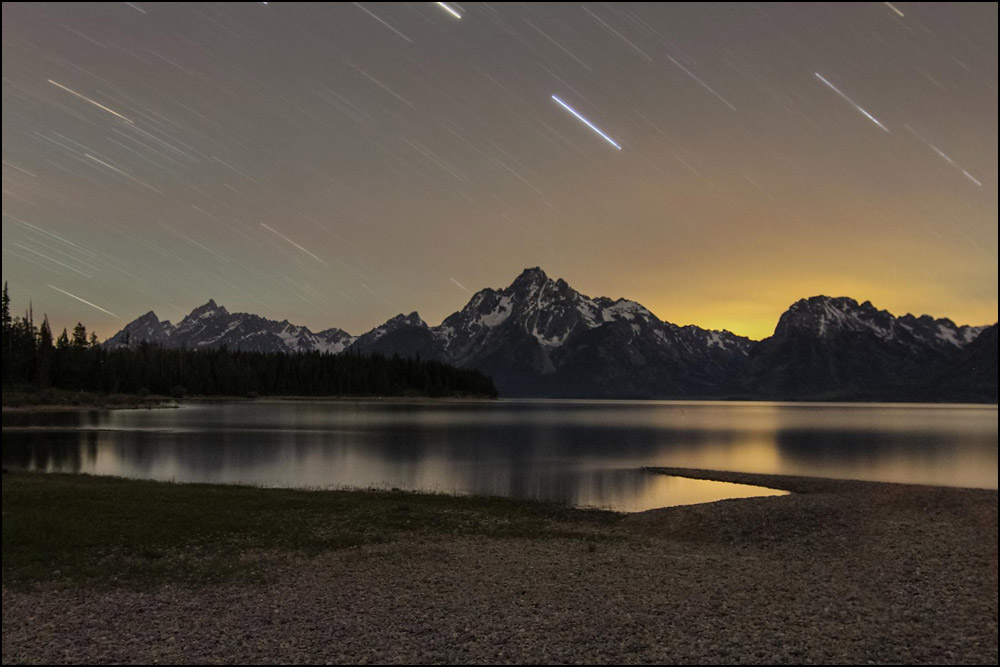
[[584, 453]]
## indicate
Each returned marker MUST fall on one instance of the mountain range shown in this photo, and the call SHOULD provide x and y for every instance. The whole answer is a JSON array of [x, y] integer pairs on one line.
[[539, 337]]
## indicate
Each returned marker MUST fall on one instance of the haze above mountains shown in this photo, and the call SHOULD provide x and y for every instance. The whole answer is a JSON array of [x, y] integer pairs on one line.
[[539, 337]]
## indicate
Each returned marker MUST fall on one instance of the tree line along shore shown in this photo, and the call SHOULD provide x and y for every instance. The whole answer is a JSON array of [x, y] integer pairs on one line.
[[37, 364]]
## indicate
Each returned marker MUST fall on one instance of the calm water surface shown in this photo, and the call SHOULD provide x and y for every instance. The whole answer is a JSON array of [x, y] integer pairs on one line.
[[576, 452]]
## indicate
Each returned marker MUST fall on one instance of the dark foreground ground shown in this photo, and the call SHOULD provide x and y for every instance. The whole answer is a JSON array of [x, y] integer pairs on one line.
[[101, 570]]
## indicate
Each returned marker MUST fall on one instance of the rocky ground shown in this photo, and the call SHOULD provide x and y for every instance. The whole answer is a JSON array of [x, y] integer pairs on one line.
[[836, 572]]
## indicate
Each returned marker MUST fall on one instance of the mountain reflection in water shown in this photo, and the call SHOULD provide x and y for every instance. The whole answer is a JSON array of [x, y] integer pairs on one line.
[[575, 452]]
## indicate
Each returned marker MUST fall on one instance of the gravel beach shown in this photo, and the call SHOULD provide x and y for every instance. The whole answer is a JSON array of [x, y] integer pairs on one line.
[[836, 572]]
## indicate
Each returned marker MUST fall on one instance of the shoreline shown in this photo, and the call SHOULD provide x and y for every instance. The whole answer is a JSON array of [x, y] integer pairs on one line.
[[837, 571], [86, 407], [159, 402], [155, 403], [802, 484], [18, 400]]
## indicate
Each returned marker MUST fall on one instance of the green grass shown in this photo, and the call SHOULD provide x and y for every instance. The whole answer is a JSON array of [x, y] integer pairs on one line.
[[97, 531]]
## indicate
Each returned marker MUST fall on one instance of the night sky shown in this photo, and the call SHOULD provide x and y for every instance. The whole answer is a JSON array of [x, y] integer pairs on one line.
[[338, 163]]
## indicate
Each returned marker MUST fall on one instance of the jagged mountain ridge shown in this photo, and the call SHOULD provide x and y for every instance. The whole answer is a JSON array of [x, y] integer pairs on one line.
[[540, 337], [836, 348], [829, 315], [212, 326]]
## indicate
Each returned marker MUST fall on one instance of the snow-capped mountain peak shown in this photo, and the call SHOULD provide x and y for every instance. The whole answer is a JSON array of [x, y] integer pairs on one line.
[[210, 309], [831, 316], [212, 326], [529, 279], [146, 328]]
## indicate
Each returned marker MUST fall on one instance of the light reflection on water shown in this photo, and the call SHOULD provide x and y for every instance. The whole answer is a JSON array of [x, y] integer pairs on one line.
[[576, 452]]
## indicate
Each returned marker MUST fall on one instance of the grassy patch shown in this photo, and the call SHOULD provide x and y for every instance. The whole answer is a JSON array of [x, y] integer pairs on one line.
[[74, 529], [15, 397]]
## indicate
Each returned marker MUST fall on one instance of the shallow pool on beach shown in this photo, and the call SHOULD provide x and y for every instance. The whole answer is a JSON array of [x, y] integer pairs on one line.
[[585, 453]]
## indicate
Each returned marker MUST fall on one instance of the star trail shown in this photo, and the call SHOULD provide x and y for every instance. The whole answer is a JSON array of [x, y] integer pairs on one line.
[[336, 164], [586, 122]]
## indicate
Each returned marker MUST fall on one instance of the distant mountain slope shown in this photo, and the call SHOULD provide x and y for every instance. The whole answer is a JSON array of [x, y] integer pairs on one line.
[[405, 335], [968, 374], [836, 348], [540, 337]]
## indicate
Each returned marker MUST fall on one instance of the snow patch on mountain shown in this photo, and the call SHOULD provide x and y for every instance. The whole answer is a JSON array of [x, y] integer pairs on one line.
[[499, 314], [623, 309], [829, 316]]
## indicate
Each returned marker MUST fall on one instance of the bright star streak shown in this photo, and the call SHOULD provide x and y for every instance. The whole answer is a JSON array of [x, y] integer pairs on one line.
[[87, 99], [852, 102], [952, 163], [277, 233], [586, 122], [92, 305], [893, 8], [449, 10], [945, 157]]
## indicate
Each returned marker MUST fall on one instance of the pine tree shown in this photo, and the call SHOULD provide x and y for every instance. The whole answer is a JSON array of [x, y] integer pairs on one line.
[[7, 341], [45, 335], [80, 336], [6, 312], [45, 353]]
